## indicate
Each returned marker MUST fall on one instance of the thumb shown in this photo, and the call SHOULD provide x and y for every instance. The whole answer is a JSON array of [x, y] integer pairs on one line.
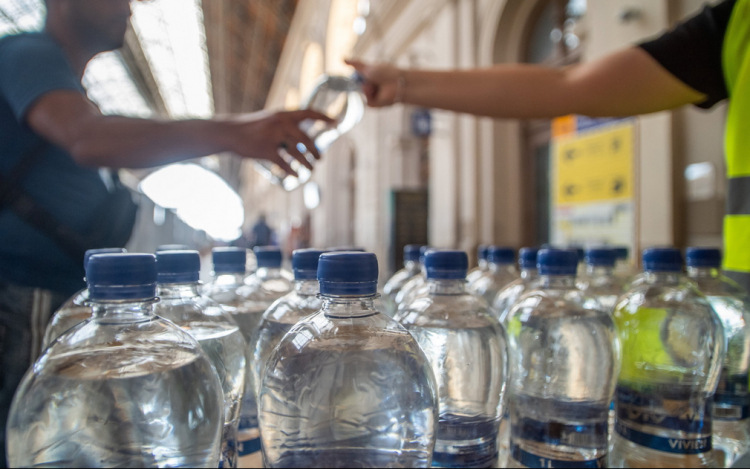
[[358, 65]]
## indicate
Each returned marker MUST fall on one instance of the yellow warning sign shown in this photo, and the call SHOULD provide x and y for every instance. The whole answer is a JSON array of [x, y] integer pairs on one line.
[[594, 166]]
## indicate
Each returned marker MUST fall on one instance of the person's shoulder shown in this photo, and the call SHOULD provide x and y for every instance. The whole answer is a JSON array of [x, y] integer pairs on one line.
[[28, 43]]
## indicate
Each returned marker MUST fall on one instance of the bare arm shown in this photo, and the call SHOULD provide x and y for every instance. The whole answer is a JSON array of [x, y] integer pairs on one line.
[[625, 83], [72, 122]]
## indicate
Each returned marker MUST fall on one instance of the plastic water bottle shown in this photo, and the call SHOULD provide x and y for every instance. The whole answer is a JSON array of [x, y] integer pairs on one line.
[[122, 389], [411, 269], [731, 411], [216, 332], [508, 296], [228, 282], [672, 354], [504, 301], [75, 310], [500, 272], [467, 349], [564, 359], [348, 386], [416, 286], [600, 280], [623, 266], [482, 252], [289, 309], [337, 97]]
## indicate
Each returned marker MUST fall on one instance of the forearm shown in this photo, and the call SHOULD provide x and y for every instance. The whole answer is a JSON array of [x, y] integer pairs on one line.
[[625, 83], [121, 142]]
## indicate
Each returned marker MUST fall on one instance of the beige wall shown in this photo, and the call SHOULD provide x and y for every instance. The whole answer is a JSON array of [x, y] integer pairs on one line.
[[475, 184]]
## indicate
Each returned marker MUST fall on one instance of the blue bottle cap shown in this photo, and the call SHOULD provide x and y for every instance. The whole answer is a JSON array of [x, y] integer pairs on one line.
[[601, 257], [346, 249], [173, 247], [483, 251], [423, 252], [121, 276], [348, 274], [178, 266], [703, 257], [229, 260], [622, 253], [92, 252], [527, 258], [411, 252], [305, 263], [501, 255], [446, 265], [662, 260], [580, 252], [268, 257], [557, 261]]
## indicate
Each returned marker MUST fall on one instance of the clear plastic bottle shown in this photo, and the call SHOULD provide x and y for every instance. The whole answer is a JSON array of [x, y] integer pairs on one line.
[[415, 286], [289, 309], [75, 310], [348, 386], [504, 301], [122, 389], [482, 267], [500, 272], [411, 269], [228, 281], [335, 96], [731, 411], [623, 266], [213, 328], [564, 363], [508, 296], [672, 354], [600, 280], [467, 349]]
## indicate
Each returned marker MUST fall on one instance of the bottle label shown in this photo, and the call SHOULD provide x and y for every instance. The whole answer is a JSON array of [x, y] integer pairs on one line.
[[732, 400], [591, 436], [248, 448], [474, 456], [527, 459], [640, 415]]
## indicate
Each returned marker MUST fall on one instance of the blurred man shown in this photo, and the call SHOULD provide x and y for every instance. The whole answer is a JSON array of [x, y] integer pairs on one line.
[[54, 203], [262, 233], [702, 61]]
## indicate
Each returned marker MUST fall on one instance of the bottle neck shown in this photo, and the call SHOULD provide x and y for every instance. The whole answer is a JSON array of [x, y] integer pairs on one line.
[[500, 268], [483, 264], [446, 286], [558, 281], [123, 311], [703, 272], [177, 290], [306, 287], [412, 266], [668, 278], [268, 272], [529, 274], [349, 306], [229, 278], [599, 271]]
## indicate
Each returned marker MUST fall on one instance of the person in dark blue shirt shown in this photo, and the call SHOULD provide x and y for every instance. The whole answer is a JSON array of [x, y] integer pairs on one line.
[[54, 200]]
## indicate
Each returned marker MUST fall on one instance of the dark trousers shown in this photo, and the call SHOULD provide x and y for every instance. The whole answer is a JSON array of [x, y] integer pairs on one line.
[[24, 313]]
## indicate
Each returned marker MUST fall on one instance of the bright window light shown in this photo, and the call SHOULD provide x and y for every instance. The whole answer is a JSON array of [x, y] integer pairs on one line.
[[199, 197], [173, 38], [109, 85]]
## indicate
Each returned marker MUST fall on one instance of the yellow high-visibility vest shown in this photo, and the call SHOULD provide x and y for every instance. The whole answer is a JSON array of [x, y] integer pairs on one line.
[[736, 64]]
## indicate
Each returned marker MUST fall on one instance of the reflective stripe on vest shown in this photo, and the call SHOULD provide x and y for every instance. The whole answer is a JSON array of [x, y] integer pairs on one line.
[[736, 64]]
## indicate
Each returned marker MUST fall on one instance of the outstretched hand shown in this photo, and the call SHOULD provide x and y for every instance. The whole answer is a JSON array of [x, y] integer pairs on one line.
[[262, 134], [381, 82]]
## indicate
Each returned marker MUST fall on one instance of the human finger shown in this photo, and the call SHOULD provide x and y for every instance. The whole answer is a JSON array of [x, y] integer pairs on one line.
[[305, 139], [305, 114], [279, 161], [293, 151]]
